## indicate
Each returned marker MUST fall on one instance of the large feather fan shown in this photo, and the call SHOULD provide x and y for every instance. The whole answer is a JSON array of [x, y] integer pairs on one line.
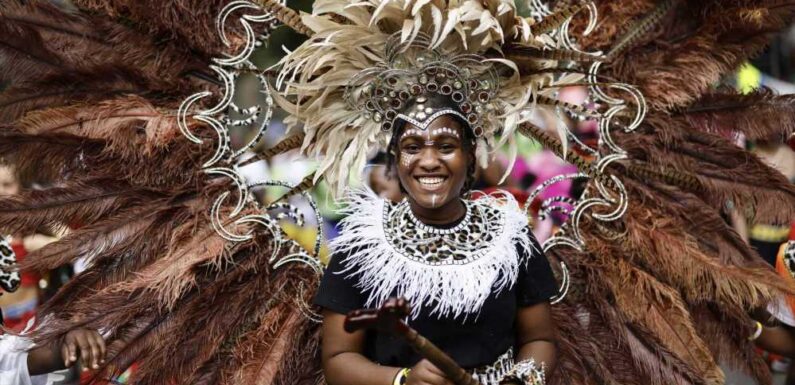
[[92, 102]]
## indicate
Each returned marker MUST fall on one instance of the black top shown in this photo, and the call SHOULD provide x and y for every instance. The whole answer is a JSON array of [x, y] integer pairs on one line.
[[472, 342]]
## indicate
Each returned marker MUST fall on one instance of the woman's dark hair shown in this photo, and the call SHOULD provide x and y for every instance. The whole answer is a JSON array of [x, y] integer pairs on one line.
[[468, 144]]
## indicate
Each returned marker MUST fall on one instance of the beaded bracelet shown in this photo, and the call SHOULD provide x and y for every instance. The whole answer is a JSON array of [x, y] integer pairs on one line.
[[526, 372], [757, 332], [401, 377]]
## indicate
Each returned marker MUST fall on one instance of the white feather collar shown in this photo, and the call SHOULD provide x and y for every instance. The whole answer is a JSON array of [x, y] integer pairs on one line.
[[451, 272]]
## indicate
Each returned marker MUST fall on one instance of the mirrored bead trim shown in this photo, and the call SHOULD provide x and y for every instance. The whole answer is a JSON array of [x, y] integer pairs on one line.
[[469, 240]]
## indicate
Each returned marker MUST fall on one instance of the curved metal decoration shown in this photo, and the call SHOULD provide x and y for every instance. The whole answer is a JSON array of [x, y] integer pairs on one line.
[[564, 285], [232, 210], [613, 105], [622, 107]]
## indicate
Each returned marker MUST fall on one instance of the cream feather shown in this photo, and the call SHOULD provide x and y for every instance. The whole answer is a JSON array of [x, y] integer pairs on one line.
[[350, 37]]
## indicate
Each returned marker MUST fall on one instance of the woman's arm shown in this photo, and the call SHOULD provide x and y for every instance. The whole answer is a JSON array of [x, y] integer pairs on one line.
[[535, 335], [778, 339], [344, 363]]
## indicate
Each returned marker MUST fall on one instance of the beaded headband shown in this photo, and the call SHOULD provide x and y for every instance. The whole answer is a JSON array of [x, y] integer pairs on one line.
[[426, 115]]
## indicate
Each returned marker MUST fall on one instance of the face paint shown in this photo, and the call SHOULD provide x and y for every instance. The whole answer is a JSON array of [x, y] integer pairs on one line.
[[406, 159], [445, 130], [414, 131], [447, 156], [433, 200]]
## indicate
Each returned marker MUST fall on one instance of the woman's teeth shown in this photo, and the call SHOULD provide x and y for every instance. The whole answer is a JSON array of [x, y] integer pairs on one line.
[[431, 181]]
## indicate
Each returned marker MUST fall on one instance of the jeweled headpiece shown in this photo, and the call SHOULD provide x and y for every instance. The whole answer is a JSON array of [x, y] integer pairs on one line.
[[366, 68], [418, 83]]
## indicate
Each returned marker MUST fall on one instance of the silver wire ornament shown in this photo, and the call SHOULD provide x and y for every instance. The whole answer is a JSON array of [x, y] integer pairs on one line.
[[225, 213]]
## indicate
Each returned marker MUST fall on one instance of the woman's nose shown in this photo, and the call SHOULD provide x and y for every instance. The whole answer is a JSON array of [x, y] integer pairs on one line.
[[429, 159]]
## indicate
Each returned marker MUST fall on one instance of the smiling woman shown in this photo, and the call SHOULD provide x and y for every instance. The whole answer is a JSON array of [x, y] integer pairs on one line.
[[433, 167], [477, 281]]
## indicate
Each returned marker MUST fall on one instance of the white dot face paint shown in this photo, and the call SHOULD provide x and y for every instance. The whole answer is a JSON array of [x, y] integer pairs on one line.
[[444, 130], [447, 156], [406, 158], [412, 131]]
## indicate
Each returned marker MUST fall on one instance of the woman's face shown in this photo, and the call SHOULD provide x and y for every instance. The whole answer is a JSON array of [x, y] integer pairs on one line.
[[432, 163]]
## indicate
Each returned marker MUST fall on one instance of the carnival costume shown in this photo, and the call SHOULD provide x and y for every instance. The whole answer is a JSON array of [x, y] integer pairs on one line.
[[465, 281], [126, 105]]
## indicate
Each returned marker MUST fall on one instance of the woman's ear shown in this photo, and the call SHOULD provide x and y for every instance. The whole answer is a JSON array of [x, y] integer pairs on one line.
[[473, 158]]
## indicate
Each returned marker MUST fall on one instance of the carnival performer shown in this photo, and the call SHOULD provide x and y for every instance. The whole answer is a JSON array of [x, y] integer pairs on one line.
[[190, 276], [475, 275]]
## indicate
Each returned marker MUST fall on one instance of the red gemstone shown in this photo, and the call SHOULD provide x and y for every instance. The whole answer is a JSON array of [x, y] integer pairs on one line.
[[483, 96], [478, 131]]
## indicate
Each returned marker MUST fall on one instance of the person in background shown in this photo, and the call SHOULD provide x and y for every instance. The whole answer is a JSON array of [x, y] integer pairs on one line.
[[381, 182], [23, 363], [776, 333], [19, 307]]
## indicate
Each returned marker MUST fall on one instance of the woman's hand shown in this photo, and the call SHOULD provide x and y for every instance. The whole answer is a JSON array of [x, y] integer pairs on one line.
[[425, 373], [90, 346]]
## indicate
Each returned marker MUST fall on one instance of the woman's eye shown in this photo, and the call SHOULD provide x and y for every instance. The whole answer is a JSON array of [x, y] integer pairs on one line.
[[447, 148]]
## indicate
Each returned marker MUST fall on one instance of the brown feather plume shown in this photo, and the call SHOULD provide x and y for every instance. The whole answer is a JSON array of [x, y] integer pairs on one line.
[[54, 40], [66, 88], [688, 52], [191, 24], [58, 207], [119, 123], [760, 115], [726, 171]]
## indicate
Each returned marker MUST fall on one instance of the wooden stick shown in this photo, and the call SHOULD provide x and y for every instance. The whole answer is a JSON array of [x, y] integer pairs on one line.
[[389, 318]]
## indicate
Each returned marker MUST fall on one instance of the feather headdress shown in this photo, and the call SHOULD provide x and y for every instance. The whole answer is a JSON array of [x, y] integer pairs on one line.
[[366, 61]]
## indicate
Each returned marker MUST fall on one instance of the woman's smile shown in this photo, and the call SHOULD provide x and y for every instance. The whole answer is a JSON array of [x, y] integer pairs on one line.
[[431, 182]]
